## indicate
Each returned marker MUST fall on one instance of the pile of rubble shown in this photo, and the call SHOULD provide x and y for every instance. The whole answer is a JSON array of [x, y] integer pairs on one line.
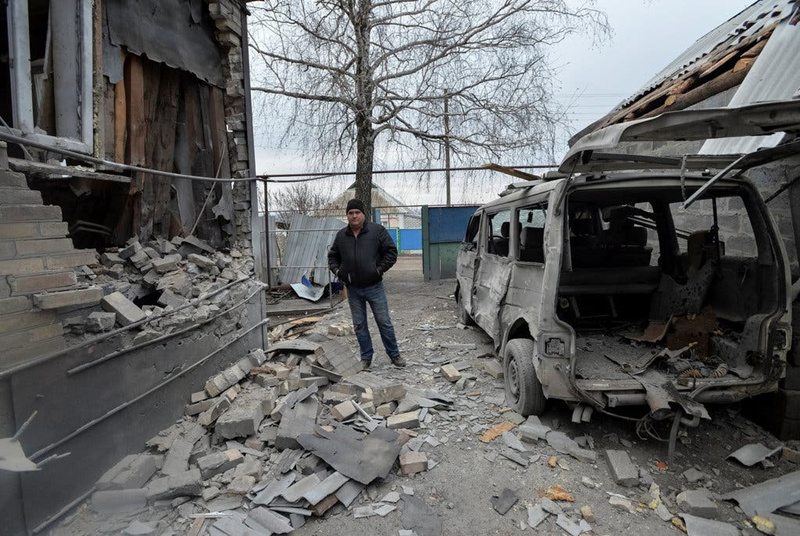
[[271, 442], [155, 285]]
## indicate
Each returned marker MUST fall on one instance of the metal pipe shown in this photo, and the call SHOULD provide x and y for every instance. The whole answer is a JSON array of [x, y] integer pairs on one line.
[[63, 511], [266, 247], [150, 391], [616, 400], [700, 191], [5, 136]]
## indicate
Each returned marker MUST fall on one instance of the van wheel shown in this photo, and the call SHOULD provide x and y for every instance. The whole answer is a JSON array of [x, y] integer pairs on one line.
[[463, 314], [523, 390]]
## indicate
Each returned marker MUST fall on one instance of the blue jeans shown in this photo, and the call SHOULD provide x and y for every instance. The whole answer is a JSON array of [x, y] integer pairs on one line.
[[358, 298]]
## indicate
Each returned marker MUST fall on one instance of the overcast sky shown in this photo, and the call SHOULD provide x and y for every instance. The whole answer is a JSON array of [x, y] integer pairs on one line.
[[648, 34]]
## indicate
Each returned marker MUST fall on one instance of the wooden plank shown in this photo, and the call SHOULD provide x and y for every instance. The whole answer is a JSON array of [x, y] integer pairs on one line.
[[120, 121], [163, 156], [56, 172], [134, 89]]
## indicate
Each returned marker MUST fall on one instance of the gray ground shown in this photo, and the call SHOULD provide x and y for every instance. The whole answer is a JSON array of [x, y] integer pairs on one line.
[[460, 486], [468, 472]]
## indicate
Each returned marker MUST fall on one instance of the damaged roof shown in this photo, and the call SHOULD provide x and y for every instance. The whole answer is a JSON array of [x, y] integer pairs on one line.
[[739, 52]]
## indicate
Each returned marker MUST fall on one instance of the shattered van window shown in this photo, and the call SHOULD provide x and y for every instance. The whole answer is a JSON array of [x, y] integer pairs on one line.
[[530, 246], [499, 233]]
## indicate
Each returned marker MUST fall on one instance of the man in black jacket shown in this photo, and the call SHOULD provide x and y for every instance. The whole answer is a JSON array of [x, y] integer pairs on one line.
[[361, 253]]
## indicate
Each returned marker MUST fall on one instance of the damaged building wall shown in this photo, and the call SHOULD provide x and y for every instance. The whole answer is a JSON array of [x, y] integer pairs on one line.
[[150, 114]]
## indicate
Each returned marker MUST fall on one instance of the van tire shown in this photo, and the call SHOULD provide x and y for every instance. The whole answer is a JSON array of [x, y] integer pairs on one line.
[[523, 390], [463, 315]]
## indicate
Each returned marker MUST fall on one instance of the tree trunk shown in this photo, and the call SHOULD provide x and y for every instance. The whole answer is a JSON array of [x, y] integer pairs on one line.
[[365, 142]]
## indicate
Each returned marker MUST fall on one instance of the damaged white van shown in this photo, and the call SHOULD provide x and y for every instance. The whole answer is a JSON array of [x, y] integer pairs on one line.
[[610, 286]]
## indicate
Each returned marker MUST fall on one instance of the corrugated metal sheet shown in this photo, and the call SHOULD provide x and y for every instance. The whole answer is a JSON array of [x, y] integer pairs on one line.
[[307, 246], [747, 23], [774, 76]]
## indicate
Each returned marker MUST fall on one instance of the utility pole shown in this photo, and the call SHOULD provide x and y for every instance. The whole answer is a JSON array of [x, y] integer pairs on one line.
[[447, 142]]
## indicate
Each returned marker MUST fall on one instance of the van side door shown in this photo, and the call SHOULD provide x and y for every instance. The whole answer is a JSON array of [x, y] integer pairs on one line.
[[492, 272]]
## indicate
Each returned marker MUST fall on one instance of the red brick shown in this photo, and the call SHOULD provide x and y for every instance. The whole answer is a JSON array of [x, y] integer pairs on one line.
[[26, 248], [19, 230], [71, 260], [22, 266], [40, 282], [29, 213]]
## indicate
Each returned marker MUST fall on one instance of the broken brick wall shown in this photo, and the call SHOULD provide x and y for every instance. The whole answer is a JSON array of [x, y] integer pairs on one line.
[[37, 272], [229, 34]]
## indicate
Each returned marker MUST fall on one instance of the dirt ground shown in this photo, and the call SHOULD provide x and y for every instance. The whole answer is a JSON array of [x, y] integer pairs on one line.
[[455, 493], [468, 472]]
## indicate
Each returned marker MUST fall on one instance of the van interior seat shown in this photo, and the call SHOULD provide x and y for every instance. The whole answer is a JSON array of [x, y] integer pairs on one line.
[[610, 281], [499, 244], [531, 244]]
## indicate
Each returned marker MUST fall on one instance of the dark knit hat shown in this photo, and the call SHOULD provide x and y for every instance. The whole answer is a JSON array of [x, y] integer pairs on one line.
[[354, 204]]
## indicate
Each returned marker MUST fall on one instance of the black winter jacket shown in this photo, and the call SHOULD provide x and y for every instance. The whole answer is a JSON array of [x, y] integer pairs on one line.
[[362, 260]]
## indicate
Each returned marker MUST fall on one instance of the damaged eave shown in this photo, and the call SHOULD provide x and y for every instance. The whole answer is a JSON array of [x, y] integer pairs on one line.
[[751, 120]]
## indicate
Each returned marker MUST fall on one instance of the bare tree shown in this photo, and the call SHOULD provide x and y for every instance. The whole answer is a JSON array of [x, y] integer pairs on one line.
[[356, 71], [302, 197]]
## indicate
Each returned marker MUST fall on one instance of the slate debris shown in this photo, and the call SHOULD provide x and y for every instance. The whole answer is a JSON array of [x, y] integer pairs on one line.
[[505, 501]]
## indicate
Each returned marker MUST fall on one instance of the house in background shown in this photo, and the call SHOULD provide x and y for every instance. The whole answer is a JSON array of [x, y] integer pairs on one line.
[[393, 212], [753, 57]]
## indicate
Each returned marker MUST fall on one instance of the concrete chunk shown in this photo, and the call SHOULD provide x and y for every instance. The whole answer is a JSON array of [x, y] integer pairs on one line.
[[697, 503], [625, 473], [126, 311], [451, 373], [533, 432], [343, 411], [403, 420], [209, 416], [241, 419], [493, 369], [383, 390], [169, 487], [167, 264], [99, 321], [219, 462], [413, 462], [131, 473], [129, 251], [201, 260]]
